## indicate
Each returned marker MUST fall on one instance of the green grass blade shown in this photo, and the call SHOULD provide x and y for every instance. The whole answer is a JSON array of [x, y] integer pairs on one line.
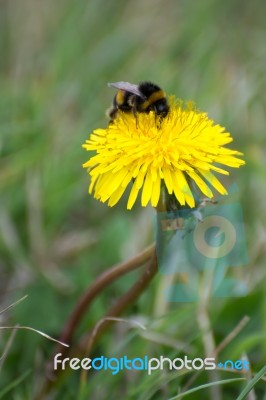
[[181, 395], [13, 384], [252, 383]]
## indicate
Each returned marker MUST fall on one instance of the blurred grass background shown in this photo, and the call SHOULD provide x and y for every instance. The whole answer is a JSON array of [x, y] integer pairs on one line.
[[56, 59]]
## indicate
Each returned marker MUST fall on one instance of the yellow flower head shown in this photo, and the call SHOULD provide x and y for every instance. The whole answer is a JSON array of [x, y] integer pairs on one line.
[[144, 152]]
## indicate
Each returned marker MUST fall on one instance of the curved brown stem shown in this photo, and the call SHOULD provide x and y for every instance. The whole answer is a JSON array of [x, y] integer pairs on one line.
[[122, 303], [97, 286]]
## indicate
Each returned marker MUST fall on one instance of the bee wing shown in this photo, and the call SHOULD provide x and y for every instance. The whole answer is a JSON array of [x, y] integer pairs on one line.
[[128, 87]]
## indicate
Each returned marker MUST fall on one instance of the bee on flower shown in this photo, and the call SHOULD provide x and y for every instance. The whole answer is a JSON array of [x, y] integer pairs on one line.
[[186, 149]]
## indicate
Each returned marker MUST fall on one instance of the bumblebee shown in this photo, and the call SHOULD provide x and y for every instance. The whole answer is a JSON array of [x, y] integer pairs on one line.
[[141, 98]]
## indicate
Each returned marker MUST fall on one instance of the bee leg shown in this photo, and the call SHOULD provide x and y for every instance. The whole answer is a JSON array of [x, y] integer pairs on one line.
[[135, 113], [203, 202]]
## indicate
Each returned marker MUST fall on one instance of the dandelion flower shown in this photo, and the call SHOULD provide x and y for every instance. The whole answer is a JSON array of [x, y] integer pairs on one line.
[[145, 153]]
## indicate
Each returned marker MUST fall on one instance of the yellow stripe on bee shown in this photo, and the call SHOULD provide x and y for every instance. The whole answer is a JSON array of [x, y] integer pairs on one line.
[[120, 97], [158, 95]]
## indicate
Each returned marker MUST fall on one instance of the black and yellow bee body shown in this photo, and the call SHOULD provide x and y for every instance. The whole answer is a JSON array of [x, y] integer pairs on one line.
[[141, 98]]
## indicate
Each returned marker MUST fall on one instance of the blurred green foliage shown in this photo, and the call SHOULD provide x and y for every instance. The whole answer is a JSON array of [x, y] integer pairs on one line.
[[56, 59]]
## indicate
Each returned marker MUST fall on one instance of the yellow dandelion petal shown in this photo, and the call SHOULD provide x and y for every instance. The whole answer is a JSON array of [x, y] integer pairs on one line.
[[92, 183], [179, 194], [230, 161], [106, 186], [201, 184], [168, 180], [86, 164], [147, 189], [189, 199], [220, 170], [214, 182], [156, 191], [133, 196], [116, 196], [185, 188], [136, 169], [140, 178], [127, 179], [117, 180], [101, 187]]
